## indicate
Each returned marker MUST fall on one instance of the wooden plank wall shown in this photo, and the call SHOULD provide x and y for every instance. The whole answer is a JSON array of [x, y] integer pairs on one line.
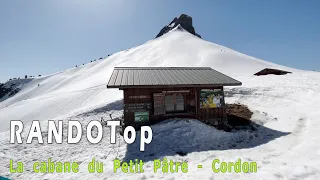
[[129, 116], [209, 113]]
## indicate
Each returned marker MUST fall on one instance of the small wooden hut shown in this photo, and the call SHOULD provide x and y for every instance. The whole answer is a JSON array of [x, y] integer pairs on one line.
[[152, 94], [267, 71]]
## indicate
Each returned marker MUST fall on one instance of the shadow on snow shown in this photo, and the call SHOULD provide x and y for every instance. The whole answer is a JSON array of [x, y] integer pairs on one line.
[[178, 137], [114, 106], [183, 136]]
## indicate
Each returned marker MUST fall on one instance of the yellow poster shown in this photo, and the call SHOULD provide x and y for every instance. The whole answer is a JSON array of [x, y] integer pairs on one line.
[[211, 98]]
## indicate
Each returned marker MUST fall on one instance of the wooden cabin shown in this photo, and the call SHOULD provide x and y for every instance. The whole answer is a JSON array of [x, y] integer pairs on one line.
[[153, 94], [268, 71]]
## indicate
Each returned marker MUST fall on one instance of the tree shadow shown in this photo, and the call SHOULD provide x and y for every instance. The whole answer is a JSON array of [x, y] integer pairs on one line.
[[183, 136], [114, 106]]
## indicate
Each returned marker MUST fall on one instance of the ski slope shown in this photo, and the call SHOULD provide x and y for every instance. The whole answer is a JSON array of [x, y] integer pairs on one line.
[[286, 111]]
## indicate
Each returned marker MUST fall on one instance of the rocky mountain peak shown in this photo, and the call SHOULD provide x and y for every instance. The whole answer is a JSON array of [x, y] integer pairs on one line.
[[184, 21]]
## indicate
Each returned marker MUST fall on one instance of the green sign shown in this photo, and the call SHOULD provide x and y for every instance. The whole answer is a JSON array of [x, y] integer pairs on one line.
[[141, 116], [3, 178]]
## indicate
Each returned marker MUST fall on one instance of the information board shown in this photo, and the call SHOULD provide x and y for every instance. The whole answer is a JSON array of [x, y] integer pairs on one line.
[[211, 98], [137, 107]]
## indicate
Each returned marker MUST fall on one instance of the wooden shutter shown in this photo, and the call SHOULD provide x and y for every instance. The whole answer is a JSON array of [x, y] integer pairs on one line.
[[158, 101], [179, 102], [169, 103]]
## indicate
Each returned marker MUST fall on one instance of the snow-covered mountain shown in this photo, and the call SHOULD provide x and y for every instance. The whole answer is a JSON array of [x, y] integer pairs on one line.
[[84, 87], [286, 107]]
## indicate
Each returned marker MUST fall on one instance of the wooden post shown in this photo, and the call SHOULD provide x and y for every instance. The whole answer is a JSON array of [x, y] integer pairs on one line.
[[196, 100], [225, 118]]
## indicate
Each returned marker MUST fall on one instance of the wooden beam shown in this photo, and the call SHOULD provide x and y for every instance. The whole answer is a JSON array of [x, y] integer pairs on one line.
[[196, 100]]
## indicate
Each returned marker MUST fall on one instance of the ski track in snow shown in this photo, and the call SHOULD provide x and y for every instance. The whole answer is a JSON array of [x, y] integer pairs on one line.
[[286, 113]]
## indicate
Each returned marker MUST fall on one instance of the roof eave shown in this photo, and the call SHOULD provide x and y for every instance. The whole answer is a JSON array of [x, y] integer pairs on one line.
[[175, 85]]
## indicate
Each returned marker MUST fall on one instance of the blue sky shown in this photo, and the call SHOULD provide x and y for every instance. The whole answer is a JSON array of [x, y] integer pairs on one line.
[[42, 37]]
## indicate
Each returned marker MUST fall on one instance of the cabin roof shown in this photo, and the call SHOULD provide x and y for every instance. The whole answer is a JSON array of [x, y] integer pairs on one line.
[[267, 71], [138, 77]]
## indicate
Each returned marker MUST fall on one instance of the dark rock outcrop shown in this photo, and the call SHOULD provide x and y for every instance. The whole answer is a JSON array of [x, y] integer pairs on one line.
[[8, 91], [184, 21]]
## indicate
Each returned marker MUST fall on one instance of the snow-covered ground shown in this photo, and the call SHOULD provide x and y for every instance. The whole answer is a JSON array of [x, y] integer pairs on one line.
[[286, 113]]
